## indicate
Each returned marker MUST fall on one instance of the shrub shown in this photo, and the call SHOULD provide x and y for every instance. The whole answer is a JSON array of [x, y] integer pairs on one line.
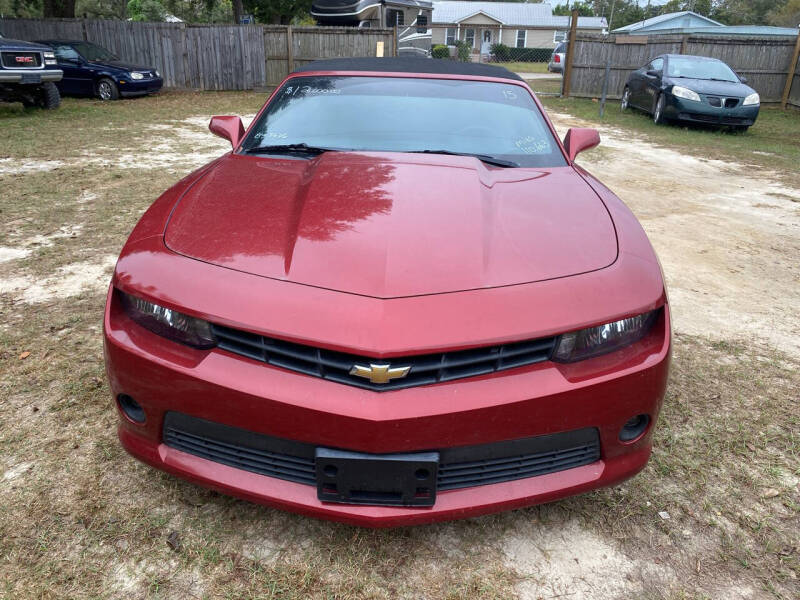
[[501, 52], [440, 51]]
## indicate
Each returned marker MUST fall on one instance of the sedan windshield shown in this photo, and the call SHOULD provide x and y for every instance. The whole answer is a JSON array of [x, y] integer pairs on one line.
[[92, 52], [692, 68], [497, 122]]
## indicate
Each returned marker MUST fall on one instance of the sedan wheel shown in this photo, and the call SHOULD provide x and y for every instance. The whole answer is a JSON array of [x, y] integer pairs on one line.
[[626, 98], [107, 90], [658, 111]]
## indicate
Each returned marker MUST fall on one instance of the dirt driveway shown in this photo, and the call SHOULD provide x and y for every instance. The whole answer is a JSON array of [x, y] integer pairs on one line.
[[715, 514], [728, 238]]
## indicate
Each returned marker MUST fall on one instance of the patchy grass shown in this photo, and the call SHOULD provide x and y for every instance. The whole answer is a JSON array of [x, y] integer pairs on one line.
[[81, 519], [550, 87], [771, 143], [524, 67]]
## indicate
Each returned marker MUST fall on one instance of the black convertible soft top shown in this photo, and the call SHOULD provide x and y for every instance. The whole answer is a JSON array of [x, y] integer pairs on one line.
[[401, 64]]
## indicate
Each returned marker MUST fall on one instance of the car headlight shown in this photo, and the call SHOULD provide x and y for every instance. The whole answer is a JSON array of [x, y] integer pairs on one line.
[[587, 343], [751, 100], [685, 93], [49, 58], [169, 323], [137, 75], [157, 73]]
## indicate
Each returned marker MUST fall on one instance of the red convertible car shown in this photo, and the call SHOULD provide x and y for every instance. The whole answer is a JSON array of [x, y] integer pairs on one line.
[[397, 300]]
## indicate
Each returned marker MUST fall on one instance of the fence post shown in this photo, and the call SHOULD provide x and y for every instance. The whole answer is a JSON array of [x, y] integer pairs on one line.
[[684, 44], [289, 49], [787, 88], [83, 30], [573, 29], [394, 44], [187, 82]]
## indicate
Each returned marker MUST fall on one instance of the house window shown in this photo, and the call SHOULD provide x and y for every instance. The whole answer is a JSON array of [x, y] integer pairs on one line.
[[395, 17], [422, 23], [522, 38], [450, 36], [469, 37], [559, 36]]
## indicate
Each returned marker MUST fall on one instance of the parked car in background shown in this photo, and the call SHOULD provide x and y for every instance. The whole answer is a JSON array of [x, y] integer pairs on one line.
[[91, 70], [558, 58], [355, 319], [27, 74], [696, 89]]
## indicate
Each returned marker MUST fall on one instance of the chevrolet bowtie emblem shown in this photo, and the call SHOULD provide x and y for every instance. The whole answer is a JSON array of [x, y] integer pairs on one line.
[[379, 373]]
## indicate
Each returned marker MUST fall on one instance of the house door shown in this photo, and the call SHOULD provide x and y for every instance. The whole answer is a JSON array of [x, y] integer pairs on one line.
[[486, 43]]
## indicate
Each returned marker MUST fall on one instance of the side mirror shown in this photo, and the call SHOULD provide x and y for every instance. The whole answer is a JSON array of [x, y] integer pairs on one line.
[[579, 139], [230, 128], [742, 78], [653, 73]]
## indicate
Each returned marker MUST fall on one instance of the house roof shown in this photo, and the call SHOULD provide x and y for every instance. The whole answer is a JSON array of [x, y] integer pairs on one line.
[[649, 23], [754, 30], [510, 13]]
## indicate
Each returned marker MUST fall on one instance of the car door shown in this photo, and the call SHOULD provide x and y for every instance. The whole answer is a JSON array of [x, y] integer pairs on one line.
[[77, 78], [634, 84], [651, 83]]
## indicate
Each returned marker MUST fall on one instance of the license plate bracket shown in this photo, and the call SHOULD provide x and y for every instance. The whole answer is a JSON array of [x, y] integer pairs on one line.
[[377, 479], [31, 78]]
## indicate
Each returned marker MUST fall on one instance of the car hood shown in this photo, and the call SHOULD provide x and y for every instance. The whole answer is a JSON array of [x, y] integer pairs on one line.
[[714, 88], [121, 65], [392, 225], [10, 45]]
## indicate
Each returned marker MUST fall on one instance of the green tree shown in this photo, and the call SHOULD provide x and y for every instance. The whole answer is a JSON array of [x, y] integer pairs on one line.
[[280, 12], [701, 7], [786, 16], [146, 10], [745, 12], [585, 9], [619, 13]]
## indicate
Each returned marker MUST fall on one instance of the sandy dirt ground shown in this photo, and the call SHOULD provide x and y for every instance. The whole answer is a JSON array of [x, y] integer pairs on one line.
[[729, 242], [728, 238]]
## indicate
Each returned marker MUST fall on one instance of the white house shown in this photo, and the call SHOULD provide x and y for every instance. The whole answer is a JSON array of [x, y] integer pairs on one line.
[[515, 24]]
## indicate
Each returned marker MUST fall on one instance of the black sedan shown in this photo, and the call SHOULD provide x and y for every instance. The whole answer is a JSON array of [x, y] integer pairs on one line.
[[696, 89], [91, 70]]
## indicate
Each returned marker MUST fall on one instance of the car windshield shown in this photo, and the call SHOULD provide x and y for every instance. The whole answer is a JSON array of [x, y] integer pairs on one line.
[[92, 52], [395, 114], [700, 69]]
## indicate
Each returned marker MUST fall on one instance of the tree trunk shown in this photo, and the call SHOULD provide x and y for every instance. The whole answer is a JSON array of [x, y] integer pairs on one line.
[[237, 11], [58, 9]]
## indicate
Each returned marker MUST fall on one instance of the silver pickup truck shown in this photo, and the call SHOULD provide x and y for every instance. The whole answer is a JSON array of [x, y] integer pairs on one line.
[[27, 74]]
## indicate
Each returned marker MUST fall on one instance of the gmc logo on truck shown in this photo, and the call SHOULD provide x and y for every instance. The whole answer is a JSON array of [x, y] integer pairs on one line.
[[24, 59]]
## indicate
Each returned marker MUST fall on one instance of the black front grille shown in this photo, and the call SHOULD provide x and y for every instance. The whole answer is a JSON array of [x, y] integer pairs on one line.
[[425, 369], [731, 102], [466, 466], [22, 60]]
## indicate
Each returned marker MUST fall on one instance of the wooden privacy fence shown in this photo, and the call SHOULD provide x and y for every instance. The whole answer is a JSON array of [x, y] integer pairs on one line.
[[768, 63], [211, 57]]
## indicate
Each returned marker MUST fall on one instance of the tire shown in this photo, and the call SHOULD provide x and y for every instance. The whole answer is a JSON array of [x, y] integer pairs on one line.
[[658, 110], [741, 128], [625, 103], [46, 96], [49, 97], [106, 89]]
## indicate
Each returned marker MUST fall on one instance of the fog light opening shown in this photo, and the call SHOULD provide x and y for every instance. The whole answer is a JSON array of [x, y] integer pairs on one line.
[[634, 428], [130, 408]]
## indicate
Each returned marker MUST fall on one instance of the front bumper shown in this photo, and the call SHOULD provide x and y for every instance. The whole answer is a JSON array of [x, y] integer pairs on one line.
[[141, 87], [545, 398], [680, 109], [30, 76]]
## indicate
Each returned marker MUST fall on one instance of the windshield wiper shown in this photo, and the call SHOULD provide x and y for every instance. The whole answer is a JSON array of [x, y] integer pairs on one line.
[[489, 160], [301, 148]]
